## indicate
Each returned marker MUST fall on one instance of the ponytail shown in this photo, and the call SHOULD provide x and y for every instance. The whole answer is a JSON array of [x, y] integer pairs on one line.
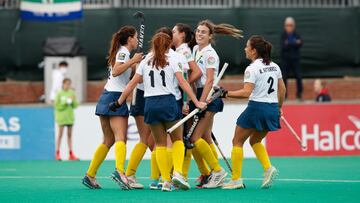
[[223, 29], [160, 44], [118, 39], [189, 34], [263, 48]]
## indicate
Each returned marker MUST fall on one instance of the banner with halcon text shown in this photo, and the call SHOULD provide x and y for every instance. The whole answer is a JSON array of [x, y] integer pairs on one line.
[[326, 130]]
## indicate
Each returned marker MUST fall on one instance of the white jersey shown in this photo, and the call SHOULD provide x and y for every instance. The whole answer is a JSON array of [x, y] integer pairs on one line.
[[185, 50], [118, 83], [265, 78], [159, 81], [205, 59]]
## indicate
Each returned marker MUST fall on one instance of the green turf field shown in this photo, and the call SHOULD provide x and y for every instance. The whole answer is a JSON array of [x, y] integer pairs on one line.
[[330, 179]]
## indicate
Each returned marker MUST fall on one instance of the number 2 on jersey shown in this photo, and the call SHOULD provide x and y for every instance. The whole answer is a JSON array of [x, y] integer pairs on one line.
[[152, 80], [271, 89]]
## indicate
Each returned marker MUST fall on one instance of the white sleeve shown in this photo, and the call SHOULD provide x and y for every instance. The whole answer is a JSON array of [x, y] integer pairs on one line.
[[140, 68], [211, 60], [177, 66], [185, 65], [249, 75], [188, 56], [122, 57]]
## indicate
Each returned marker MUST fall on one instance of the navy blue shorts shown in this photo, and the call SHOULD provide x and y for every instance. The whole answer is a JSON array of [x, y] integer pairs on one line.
[[216, 106], [160, 109], [138, 108], [260, 116], [102, 107]]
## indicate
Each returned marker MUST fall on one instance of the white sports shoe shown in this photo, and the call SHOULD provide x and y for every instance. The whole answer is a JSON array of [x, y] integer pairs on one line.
[[180, 181], [216, 179], [166, 186], [269, 177], [233, 184], [133, 183]]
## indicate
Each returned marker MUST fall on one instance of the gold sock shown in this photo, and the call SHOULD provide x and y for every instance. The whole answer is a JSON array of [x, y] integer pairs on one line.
[[186, 163], [213, 149], [204, 149], [163, 163], [237, 156], [98, 158], [200, 162], [169, 152], [120, 156], [178, 155], [136, 156], [155, 172], [262, 155]]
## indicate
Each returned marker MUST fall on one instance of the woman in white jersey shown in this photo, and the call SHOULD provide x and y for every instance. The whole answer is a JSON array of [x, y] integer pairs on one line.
[[208, 61], [114, 124], [158, 74], [264, 86]]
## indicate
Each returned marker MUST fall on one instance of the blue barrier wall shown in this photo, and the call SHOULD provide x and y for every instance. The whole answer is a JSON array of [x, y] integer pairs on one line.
[[26, 133]]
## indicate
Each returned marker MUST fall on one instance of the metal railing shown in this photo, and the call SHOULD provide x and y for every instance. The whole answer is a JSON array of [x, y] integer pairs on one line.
[[206, 4]]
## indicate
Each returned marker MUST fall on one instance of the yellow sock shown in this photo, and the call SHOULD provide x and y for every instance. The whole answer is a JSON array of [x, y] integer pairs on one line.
[[136, 156], [262, 155], [237, 156], [163, 163], [98, 158], [213, 149], [178, 155], [186, 163], [120, 156], [169, 152], [200, 162], [155, 173], [204, 149]]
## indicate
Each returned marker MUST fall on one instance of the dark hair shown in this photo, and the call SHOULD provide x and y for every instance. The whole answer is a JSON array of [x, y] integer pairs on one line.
[[223, 28], [66, 80], [165, 30], [189, 34], [262, 47], [118, 39], [63, 63], [160, 44]]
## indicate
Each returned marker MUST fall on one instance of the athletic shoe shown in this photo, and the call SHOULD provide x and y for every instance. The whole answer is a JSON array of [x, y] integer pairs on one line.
[[72, 157], [166, 186], [233, 184], [121, 180], [90, 184], [155, 185], [202, 180], [57, 156], [269, 177], [216, 179], [180, 181], [133, 183]]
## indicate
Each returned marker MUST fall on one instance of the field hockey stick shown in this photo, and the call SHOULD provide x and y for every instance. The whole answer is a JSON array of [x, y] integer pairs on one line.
[[303, 146], [197, 110], [139, 15], [222, 154]]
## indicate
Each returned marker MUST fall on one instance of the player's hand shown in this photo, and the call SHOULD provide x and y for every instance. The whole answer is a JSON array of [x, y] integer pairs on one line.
[[113, 106], [185, 109], [201, 105], [223, 92], [137, 57]]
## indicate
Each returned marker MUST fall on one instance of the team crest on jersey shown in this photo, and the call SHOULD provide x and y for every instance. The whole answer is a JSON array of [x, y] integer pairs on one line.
[[180, 66], [211, 60], [187, 55], [247, 74], [121, 56]]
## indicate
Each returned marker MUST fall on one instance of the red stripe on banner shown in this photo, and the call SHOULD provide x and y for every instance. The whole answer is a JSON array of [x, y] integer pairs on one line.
[[326, 129]]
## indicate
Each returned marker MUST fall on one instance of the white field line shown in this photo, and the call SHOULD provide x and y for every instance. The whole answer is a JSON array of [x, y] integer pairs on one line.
[[248, 179]]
